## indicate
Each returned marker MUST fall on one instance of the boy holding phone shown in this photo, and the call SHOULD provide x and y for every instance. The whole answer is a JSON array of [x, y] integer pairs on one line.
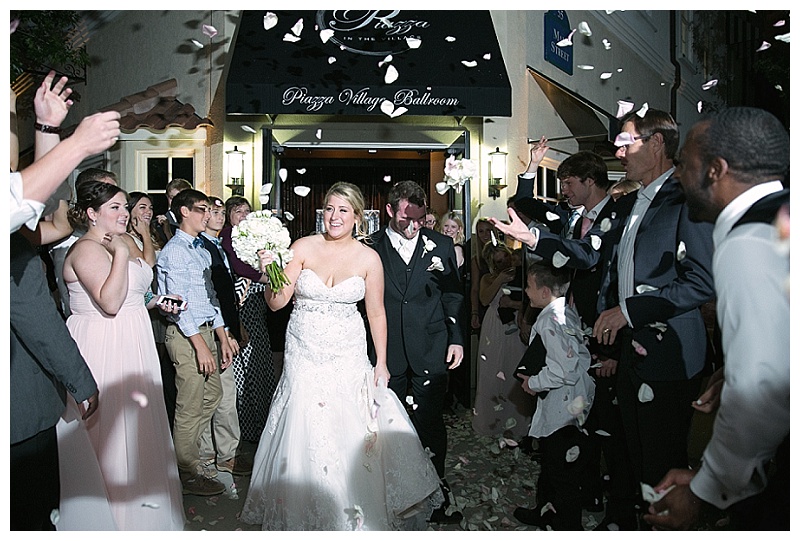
[[184, 268]]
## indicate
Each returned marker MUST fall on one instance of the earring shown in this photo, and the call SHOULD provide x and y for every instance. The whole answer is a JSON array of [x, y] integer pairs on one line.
[[94, 223]]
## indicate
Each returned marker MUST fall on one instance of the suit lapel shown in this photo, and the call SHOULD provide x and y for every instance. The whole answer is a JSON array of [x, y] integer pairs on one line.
[[391, 260]]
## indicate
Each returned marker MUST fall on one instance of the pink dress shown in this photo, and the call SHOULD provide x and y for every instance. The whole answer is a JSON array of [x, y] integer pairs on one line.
[[129, 433]]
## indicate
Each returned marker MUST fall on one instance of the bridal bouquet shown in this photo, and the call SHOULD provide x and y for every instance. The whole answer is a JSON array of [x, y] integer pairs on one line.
[[456, 174], [260, 230]]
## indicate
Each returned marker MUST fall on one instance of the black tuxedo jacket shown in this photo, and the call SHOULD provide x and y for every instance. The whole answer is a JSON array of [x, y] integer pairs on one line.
[[222, 280], [424, 308], [45, 361]]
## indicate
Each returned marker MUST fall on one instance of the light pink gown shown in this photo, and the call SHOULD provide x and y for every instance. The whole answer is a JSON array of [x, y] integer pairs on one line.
[[129, 433]]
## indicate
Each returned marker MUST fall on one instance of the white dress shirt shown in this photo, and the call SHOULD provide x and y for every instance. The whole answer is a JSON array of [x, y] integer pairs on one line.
[[23, 211], [405, 247], [645, 196], [751, 276]]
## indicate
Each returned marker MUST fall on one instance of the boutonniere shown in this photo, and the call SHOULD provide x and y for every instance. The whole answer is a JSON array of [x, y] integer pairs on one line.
[[427, 245], [436, 264]]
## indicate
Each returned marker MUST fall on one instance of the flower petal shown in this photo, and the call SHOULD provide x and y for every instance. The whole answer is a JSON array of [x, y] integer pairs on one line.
[[584, 29], [196, 43], [291, 38], [450, 39], [783, 37], [302, 191], [605, 225], [623, 108], [606, 75], [710, 84], [331, 59], [639, 350], [487, 56], [391, 75], [643, 111], [270, 20], [680, 255], [596, 241], [645, 393], [552, 216], [559, 259], [501, 376], [209, 30], [325, 35], [282, 174], [140, 398], [288, 215], [388, 178], [700, 106], [573, 453], [319, 133], [298, 27], [644, 288], [585, 66], [469, 63], [301, 171], [764, 46], [413, 43], [606, 44], [248, 129]]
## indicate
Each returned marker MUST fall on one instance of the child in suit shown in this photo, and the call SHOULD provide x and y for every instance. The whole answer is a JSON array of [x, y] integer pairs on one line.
[[558, 377]]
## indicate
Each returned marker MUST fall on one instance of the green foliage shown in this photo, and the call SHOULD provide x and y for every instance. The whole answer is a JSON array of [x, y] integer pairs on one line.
[[42, 41]]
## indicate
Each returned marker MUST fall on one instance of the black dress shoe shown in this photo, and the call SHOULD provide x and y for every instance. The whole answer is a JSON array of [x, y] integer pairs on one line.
[[440, 517], [533, 517]]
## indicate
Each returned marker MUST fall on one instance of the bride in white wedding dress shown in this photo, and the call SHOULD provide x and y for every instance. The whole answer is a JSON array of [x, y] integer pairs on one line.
[[338, 451]]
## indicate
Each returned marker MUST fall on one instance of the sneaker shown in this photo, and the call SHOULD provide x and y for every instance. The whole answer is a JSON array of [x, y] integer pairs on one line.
[[200, 485], [239, 465], [207, 468]]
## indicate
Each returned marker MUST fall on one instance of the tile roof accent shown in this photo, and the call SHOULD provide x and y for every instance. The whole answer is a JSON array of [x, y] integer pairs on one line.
[[157, 108]]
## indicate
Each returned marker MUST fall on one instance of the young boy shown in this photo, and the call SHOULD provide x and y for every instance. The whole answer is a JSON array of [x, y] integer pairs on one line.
[[184, 268], [565, 393]]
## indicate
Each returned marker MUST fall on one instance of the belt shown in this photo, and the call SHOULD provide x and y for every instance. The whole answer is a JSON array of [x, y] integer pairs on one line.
[[207, 324]]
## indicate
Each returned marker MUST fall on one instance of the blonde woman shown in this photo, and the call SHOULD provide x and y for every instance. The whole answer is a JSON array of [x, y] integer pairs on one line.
[[452, 225]]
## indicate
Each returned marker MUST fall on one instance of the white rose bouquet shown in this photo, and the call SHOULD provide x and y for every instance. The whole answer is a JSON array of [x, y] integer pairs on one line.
[[456, 174], [260, 230]]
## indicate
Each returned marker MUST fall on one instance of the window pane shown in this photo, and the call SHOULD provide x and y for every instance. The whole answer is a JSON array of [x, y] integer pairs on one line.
[[183, 168], [552, 183], [156, 174], [159, 203]]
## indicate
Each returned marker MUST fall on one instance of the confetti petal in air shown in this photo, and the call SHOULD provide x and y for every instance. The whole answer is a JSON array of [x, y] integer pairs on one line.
[[501, 376], [644, 288], [573, 453], [325, 35], [586, 67], [302, 191], [263, 199], [409, 400], [389, 109], [710, 84], [391, 75], [301, 171], [319, 133], [14, 25], [282, 173], [209, 30], [650, 495], [680, 255], [624, 139], [506, 291], [288, 215], [487, 56], [643, 110], [606, 44], [270, 20], [387, 178], [248, 129], [331, 59], [700, 106], [548, 507], [413, 43], [619, 70], [600, 432], [783, 37], [623, 108], [606, 75], [469, 63], [298, 27], [55, 516], [779, 88], [639, 348], [764, 46], [780, 23], [584, 29], [551, 216], [450, 39], [291, 37], [139, 398], [645, 393], [567, 41], [494, 239], [559, 259], [596, 241], [196, 43], [659, 326], [510, 423]]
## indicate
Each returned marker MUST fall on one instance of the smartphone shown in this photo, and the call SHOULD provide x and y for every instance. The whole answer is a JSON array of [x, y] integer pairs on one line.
[[169, 301]]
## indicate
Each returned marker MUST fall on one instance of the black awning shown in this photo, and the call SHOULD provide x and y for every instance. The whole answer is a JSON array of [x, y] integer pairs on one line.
[[457, 69]]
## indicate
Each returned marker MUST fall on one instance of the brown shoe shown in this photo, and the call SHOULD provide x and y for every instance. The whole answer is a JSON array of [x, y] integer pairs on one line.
[[239, 465], [200, 485]]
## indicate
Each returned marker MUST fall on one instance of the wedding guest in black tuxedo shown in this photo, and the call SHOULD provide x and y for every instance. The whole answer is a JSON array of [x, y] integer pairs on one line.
[[424, 306]]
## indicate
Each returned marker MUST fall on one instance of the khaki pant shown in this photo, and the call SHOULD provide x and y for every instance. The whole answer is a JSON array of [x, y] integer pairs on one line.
[[224, 424], [198, 396]]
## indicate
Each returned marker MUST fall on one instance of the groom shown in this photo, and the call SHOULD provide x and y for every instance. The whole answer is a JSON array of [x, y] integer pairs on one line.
[[424, 301]]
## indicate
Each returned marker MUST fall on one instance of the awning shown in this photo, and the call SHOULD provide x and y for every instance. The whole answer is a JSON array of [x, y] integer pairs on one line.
[[336, 62]]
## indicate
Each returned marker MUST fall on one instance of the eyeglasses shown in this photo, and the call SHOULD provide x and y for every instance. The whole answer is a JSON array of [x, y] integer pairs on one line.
[[201, 209], [624, 139]]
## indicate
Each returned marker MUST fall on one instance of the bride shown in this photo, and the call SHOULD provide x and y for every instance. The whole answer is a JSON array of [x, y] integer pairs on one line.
[[338, 451]]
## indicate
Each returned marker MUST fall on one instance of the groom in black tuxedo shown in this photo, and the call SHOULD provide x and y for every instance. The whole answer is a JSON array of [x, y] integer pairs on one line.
[[424, 309]]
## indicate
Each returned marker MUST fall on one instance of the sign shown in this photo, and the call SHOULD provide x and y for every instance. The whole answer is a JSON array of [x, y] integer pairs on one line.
[[556, 28]]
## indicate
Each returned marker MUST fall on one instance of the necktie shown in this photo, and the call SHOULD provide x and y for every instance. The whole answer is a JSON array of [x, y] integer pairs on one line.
[[586, 225], [197, 243]]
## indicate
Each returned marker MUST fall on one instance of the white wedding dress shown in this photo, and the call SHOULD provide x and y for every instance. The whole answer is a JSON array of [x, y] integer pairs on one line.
[[337, 453]]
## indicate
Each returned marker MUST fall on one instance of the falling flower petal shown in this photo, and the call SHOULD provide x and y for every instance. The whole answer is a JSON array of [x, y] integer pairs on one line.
[[548, 507], [301, 171], [263, 199], [619, 70], [573, 453], [55, 516], [764, 46], [644, 288], [639, 350], [290, 37], [643, 111], [585, 67], [501, 376], [469, 63], [681, 253], [506, 291], [606, 75], [596, 241], [325, 35], [451, 39], [552, 216], [389, 109], [780, 23], [427, 382], [710, 84], [391, 75], [209, 30], [14, 25], [700, 106], [298, 27], [483, 356], [606, 44], [624, 139], [510, 423], [605, 225], [658, 325], [270, 20], [494, 239], [151, 505], [282, 174], [302, 191], [409, 400], [567, 41], [559, 259], [577, 406], [783, 37], [139, 398], [779, 88], [319, 133], [288, 215], [651, 496], [645, 393], [248, 129], [601, 433], [584, 29], [388, 178], [196, 43], [331, 59], [413, 43]]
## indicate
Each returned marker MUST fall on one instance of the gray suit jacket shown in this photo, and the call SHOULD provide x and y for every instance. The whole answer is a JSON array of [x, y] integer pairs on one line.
[[45, 361]]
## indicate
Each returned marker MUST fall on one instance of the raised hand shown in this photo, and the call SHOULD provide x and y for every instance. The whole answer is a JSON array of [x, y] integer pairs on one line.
[[516, 229], [115, 245], [97, 132], [51, 102], [538, 150]]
